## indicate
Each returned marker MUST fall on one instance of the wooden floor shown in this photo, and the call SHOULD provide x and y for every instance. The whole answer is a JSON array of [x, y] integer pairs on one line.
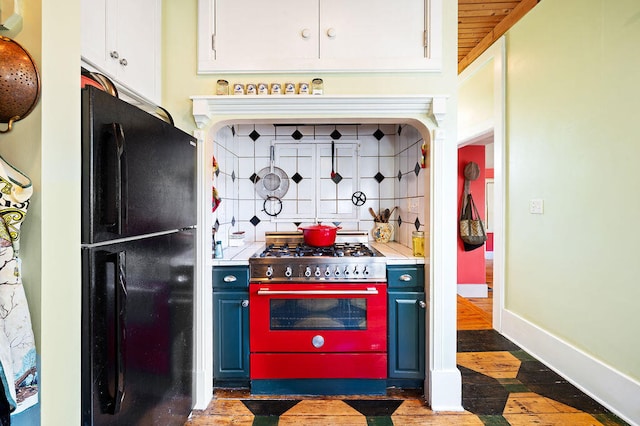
[[502, 385]]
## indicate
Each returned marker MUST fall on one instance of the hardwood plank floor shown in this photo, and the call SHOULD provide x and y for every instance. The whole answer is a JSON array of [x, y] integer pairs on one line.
[[502, 385]]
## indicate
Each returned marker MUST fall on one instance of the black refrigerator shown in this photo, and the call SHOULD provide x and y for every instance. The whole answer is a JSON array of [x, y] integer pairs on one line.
[[138, 260]]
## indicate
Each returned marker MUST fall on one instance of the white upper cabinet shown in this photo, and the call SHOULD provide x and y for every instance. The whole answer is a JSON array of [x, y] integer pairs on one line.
[[319, 35], [121, 38]]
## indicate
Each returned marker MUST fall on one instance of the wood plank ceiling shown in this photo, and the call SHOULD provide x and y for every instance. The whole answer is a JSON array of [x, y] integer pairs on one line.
[[481, 22]]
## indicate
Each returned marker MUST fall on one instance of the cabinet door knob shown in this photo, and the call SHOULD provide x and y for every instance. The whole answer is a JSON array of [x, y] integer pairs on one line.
[[123, 62], [405, 277], [245, 303], [331, 32], [422, 304], [230, 279], [306, 33], [114, 54]]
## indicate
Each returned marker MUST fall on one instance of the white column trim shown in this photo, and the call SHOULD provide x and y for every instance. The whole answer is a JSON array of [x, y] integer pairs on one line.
[[426, 113]]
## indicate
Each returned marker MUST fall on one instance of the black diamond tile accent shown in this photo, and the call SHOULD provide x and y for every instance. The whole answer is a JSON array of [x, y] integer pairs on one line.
[[255, 221], [417, 169], [379, 177], [336, 178], [297, 135], [269, 407], [399, 130], [216, 225], [297, 224], [378, 134], [254, 178], [254, 135], [296, 178], [217, 172], [233, 221], [233, 130], [335, 134], [399, 175], [399, 221], [417, 224], [374, 407], [233, 176], [336, 223]]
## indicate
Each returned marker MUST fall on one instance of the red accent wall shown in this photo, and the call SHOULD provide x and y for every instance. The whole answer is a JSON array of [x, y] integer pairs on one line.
[[471, 264], [489, 175]]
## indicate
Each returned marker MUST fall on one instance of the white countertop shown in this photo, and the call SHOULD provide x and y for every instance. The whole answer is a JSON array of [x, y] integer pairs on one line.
[[394, 253]]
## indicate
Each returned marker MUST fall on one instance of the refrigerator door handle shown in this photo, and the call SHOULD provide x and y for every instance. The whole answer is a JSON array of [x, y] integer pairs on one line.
[[114, 211], [120, 312]]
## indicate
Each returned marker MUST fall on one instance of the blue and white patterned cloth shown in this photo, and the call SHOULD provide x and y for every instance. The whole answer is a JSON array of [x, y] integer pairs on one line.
[[18, 370]]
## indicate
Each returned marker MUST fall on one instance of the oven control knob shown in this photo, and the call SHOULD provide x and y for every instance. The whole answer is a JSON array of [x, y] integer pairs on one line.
[[365, 270], [346, 271], [317, 272], [327, 273], [288, 272], [307, 272], [337, 272], [355, 270], [317, 341], [269, 272]]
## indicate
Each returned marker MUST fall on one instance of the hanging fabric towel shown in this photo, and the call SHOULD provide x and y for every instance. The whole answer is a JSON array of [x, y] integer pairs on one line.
[[17, 345]]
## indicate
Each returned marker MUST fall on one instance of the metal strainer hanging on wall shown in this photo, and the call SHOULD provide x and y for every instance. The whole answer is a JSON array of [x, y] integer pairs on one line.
[[273, 181], [19, 83]]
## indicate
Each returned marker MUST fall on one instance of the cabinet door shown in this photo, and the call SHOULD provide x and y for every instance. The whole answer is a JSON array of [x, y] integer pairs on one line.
[[406, 335], [250, 35], [230, 335], [319, 35], [93, 27], [138, 50], [361, 34]]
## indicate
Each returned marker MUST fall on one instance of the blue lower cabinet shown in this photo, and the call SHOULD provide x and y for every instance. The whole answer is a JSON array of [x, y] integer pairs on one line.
[[230, 337], [406, 335]]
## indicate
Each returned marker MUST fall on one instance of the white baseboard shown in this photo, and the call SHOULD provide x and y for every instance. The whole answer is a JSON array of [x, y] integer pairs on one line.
[[473, 290], [614, 390]]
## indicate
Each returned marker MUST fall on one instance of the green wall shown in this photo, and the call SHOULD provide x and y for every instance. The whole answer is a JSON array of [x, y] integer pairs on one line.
[[475, 102], [572, 140]]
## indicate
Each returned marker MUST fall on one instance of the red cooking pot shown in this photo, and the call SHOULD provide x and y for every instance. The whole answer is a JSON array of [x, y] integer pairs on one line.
[[319, 235]]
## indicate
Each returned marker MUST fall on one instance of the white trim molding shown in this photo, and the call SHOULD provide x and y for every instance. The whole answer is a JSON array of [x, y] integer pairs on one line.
[[424, 112], [206, 108], [611, 388]]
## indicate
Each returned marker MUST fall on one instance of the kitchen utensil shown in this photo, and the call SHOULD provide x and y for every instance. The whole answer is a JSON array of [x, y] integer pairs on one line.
[[333, 160], [374, 215], [319, 235], [358, 198], [101, 81], [19, 83], [272, 206], [273, 181]]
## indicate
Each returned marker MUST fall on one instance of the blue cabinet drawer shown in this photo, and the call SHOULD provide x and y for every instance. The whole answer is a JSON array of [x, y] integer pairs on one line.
[[225, 277], [405, 277]]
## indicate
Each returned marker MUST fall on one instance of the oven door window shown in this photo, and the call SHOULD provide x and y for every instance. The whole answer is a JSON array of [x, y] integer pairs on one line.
[[318, 314]]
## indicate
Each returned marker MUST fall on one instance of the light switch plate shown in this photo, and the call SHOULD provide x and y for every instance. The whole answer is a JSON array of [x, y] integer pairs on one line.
[[536, 206]]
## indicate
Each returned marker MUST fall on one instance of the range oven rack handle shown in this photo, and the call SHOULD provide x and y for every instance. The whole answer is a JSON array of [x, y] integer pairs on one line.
[[267, 292]]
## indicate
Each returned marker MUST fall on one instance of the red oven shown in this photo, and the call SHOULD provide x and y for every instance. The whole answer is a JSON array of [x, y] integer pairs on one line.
[[319, 329]]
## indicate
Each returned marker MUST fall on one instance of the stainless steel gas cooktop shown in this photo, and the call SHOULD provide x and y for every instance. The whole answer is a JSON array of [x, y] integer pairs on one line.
[[287, 258]]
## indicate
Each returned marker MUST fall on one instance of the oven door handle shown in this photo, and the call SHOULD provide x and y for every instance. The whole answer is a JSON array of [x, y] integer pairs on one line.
[[368, 291]]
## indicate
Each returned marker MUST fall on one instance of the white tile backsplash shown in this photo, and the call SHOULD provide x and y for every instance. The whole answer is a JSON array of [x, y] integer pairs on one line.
[[316, 195]]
